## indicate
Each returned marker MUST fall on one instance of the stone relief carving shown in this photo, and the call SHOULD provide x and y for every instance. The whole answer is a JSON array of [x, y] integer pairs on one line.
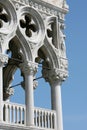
[[54, 74], [28, 68], [62, 40], [41, 6]]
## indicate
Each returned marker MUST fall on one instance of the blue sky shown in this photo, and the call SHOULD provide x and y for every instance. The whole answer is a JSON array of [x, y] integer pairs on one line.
[[74, 89]]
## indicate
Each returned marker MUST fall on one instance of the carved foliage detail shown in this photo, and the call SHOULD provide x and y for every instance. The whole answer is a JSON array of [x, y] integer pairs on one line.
[[54, 74], [28, 68]]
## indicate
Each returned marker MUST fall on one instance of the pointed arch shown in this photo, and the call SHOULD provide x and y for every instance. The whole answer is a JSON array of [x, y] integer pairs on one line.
[[20, 52]]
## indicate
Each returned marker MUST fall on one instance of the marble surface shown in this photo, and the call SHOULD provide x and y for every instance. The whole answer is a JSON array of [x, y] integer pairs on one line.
[[55, 2]]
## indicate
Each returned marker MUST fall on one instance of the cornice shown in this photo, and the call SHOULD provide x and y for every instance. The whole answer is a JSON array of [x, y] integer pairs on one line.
[[43, 6]]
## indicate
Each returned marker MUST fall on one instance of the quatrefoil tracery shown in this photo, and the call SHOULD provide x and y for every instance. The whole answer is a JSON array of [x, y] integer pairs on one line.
[[3, 16], [29, 25]]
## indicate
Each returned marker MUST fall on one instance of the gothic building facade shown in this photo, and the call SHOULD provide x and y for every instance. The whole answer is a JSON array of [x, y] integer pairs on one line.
[[32, 33]]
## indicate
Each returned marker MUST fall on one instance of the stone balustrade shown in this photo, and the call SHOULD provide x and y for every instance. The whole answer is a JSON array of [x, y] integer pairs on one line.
[[45, 118], [15, 114]]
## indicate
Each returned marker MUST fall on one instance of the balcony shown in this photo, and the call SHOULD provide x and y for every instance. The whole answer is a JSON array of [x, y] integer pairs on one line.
[[14, 116]]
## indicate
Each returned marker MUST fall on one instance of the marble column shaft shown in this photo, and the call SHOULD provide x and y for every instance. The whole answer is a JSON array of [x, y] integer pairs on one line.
[[28, 72], [57, 103], [29, 99], [1, 94]]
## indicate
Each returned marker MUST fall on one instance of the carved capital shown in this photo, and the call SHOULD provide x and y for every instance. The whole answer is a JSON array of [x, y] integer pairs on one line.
[[3, 59], [54, 74], [28, 68]]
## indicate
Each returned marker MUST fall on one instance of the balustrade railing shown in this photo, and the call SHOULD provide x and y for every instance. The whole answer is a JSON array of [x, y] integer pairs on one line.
[[45, 118], [16, 114]]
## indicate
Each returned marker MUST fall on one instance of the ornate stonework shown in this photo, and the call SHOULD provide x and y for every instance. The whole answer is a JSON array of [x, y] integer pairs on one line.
[[30, 30], [29, 68], [32, 36]]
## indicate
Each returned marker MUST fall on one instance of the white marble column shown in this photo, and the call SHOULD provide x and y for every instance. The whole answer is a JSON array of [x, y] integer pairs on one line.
[[29, 70], [55, 79], [29, 99], [1, 93], [3, 59], [57, 103]]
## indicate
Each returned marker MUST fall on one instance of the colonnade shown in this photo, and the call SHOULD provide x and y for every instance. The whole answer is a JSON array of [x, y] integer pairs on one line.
[[33, 30], [28, 71]]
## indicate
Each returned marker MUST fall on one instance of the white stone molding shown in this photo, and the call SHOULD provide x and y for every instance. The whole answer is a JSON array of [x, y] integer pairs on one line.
[[52, 31], [43, 6], [58, 3], [8, 23], [25, 50], [9, 20]]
